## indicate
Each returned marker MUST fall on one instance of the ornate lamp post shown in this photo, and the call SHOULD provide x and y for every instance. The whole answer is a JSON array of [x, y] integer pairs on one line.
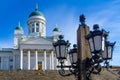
[[100, 50], [61, 49], [73, 55], [108, 53], [96, 41]]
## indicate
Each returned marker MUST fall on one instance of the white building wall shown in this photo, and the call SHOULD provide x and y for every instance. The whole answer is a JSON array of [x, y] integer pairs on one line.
[[6, 60], [42, 47], [16, 58]]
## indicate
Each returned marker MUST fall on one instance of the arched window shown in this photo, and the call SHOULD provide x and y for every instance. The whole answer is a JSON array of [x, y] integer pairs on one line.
[[37, 24]]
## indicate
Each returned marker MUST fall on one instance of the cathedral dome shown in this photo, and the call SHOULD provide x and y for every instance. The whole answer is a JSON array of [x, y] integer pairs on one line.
[[36, 13]]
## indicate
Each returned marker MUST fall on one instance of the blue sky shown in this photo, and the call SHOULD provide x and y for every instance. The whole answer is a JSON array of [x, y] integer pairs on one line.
[[64, 13]]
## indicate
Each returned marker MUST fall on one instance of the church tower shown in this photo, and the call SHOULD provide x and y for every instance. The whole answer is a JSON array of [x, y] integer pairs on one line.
[[56, 33], [18, 34], [36, 24]]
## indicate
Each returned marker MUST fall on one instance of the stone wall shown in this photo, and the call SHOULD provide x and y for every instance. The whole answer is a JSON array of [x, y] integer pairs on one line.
[[49, 75]]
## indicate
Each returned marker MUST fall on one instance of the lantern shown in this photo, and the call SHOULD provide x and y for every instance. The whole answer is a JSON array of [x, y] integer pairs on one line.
[[73, 54], [107, 54], [96, 39], [61, 48]]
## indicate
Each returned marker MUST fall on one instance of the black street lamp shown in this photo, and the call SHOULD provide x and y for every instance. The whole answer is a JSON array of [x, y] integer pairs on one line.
[[108, 53], [73, 55], [99, 47], [61, 48], [96, 40]]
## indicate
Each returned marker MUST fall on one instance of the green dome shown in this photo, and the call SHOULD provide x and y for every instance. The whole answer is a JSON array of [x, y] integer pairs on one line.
[[56, 29], [36, 13], [18, 27]]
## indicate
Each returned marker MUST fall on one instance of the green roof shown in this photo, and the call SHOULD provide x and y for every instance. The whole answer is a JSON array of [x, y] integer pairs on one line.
[[36, 13], [56, 29], [19, 27]]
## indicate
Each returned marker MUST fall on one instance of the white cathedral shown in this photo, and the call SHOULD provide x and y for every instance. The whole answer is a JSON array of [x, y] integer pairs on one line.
[[34, 51]]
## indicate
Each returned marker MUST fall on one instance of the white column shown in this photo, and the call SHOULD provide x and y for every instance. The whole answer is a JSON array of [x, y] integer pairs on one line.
[[21, 59], [35, 27], [52, 60], [36, 60], [28, 59], [40, 27], [45, 60]]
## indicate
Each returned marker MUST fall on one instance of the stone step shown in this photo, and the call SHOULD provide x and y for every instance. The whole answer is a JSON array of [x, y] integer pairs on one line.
[[49, 75]]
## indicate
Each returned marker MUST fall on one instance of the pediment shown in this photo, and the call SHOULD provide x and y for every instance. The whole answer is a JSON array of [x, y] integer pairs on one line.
[[39, 40]]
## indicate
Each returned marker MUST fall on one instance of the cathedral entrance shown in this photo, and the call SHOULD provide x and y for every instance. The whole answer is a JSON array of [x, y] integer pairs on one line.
[[39, 65]]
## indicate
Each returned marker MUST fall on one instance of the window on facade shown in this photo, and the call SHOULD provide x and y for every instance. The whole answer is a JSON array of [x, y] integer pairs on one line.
[[11, 67], [32, 24], [32, 30], [39, 62], [37, 29], [37, 24], [11, 60]]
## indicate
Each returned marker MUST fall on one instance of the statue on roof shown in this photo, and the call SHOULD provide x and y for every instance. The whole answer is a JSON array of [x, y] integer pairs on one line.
[[82, 19]]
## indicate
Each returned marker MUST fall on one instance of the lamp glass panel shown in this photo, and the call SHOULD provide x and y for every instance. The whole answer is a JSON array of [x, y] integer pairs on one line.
[[63, 51], [74, 57], [104, 54], [91, 44], [109, 52], [71, 58], [103, 43], [97, 43], [57, 52]]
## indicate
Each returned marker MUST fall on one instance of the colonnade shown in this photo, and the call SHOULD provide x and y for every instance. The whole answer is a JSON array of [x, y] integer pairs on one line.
[[36, 59]]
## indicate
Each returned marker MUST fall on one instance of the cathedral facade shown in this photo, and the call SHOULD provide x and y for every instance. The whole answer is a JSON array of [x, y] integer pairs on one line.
[[34, 51]]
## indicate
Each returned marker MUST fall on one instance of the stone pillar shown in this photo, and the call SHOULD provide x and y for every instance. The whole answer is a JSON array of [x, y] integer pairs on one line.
[[83, 47], [40, 25], [52, 60], [45, 60], [36, 60], [21, 59], [28, 59], [35, 27]]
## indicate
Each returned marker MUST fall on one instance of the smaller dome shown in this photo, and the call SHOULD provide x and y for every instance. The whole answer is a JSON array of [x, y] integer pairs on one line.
[[18, 27], [56, 29]]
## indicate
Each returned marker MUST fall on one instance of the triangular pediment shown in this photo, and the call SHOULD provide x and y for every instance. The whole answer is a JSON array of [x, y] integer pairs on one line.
[[39, 40]]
